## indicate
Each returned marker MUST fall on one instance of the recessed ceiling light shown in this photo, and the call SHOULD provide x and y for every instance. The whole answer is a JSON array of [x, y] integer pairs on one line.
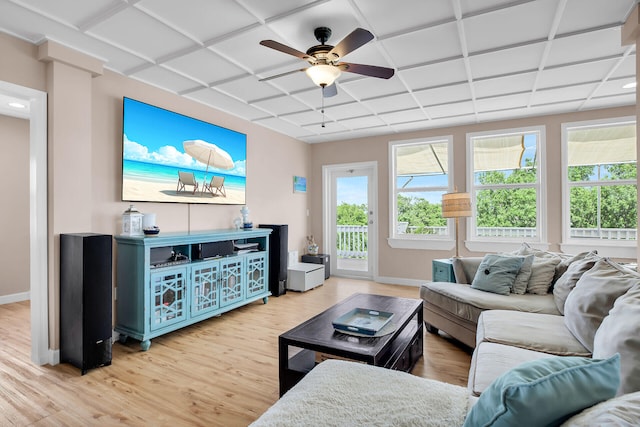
[[17, 105], [629, 85]]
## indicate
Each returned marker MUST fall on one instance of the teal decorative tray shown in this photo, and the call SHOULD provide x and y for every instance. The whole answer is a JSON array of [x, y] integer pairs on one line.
[[362, 321]]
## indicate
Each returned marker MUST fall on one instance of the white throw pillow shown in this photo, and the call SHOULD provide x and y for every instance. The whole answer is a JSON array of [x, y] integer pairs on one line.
[[594, 295], [622, 411], [542, 273], [543, 269], [565, 283], [620, 333]]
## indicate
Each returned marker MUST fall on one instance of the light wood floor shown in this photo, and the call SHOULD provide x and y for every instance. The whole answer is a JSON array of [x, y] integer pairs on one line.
[[220, 372]]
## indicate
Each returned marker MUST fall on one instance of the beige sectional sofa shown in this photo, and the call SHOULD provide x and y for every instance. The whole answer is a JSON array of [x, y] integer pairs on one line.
[[528, 368], [454, 308]]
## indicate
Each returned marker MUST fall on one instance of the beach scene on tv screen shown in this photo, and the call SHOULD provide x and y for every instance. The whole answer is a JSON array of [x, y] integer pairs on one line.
[[169, 157]]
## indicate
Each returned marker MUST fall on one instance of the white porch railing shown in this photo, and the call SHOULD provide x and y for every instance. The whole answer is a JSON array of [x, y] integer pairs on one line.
[[605, 233], [578, 233], [352, 240]]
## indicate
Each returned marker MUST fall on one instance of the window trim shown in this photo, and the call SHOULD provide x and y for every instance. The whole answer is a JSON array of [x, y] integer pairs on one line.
[[408, 241], [617, 248], [488, 244]]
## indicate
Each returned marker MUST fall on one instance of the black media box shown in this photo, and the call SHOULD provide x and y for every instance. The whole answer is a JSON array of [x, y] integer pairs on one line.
[[213, 249]]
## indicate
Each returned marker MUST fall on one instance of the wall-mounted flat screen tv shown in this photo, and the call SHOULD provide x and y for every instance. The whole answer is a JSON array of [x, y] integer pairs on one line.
[[169, 157]]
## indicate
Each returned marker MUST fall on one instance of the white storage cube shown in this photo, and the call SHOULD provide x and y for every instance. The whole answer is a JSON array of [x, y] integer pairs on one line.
[[304, 276]]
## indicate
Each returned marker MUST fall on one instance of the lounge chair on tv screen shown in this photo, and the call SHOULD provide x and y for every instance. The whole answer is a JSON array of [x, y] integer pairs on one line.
[[187, 178], [216, 186]]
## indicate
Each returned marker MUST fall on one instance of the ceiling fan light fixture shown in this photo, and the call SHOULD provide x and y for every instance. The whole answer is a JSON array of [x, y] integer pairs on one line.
[[323, 74]]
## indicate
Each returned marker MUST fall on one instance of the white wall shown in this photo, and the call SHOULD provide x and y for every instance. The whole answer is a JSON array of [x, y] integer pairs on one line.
[[14, 215]]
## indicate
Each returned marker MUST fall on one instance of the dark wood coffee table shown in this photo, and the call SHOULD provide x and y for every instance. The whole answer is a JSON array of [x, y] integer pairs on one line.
[[300, 347]]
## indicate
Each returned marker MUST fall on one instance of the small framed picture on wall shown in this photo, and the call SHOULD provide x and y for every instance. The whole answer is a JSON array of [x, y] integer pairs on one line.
[[299, 184]]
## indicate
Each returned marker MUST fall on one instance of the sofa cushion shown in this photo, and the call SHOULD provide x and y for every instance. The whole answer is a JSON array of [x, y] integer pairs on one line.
[[490, 360], [593, 296], [339, 393], [532, 331], [497, 273], [620, 333], [546, 391], [464, 269], [466, 302], [621, 411], [565, 283]]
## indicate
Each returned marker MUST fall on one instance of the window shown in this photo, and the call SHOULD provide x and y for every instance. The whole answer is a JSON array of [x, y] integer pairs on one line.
[[419, 176], [599, 175], [506, 188]]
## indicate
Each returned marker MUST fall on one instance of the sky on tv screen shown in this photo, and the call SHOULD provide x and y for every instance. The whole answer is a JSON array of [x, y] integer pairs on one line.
[[153, 153]]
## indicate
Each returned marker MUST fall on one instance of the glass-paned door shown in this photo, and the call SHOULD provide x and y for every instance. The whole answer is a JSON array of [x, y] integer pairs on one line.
[[351, 219]]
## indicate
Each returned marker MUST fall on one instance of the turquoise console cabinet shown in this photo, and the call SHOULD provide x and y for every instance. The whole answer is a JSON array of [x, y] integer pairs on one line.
[[165, 282]]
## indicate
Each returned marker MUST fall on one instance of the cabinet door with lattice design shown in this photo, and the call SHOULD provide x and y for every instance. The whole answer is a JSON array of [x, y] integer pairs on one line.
[[168, 297], [256, 280], [231, 280], [205, 295]]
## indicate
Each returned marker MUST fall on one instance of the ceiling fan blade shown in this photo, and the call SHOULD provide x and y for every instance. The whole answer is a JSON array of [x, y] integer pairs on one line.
[[354, 40], [367, 70], [329, 91], [284, 49], [282, 74]]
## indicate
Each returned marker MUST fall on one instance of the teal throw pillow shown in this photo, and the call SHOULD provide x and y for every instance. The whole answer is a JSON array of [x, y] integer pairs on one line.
[[546, 392], [497, 273]]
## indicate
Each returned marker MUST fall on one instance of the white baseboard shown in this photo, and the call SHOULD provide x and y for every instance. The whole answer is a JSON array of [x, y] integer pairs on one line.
[[54, 357], [387, 280], [8, 299], [399, 281]]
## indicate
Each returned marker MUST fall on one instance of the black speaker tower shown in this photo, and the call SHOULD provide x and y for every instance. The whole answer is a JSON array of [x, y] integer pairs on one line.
[[85, 300], [278, 253]]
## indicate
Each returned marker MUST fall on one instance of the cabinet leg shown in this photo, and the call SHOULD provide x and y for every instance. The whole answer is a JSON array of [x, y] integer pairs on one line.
[[144, 345], [122, 338], [265, 299]]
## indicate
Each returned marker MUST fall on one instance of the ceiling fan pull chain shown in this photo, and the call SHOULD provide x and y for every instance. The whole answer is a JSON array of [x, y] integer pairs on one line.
[[323, 105]]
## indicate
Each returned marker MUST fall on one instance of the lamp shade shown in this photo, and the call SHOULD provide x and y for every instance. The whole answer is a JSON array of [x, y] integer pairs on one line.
[[323, 74], [456, 205]]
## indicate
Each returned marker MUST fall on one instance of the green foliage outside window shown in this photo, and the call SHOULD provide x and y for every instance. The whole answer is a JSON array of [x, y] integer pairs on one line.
[[351, 214], [420, 214], [507, 207], [618, 203]]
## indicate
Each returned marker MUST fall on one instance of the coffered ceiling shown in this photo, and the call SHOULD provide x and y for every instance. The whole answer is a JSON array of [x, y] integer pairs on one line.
[[456, 61]]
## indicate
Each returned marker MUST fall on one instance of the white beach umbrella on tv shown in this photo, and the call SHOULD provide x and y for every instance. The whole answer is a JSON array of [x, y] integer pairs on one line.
[[208, 154]]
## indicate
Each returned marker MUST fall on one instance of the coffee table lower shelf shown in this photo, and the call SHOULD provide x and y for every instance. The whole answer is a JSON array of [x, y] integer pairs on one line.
[[402, 355]]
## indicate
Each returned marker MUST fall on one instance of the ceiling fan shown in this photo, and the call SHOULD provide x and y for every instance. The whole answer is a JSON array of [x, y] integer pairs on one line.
[[324, 59]]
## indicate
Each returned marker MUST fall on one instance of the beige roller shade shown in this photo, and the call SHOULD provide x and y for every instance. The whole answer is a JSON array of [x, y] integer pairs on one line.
[[605, 145], [422, 159], [498, 153]]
